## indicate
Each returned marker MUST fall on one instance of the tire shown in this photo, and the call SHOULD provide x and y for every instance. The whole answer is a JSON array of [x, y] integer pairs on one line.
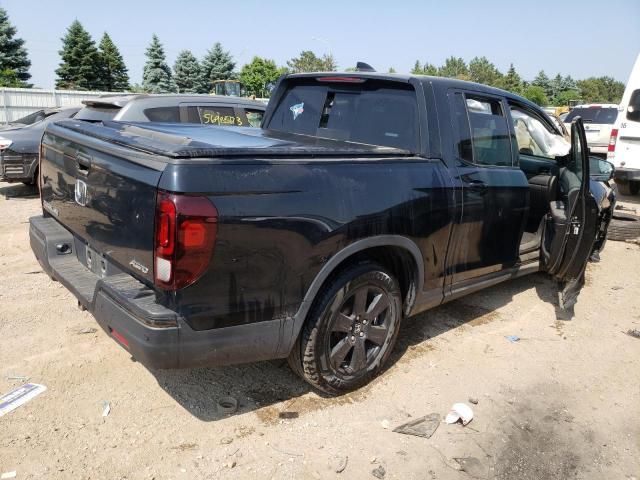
[[350, 331], [628, 188], [623, 226]]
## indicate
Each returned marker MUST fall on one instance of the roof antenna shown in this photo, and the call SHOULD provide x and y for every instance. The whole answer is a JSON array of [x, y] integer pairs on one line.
[[364, 67]]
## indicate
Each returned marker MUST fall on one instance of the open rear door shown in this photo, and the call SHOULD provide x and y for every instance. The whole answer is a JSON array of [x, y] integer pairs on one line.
[[571, 227]]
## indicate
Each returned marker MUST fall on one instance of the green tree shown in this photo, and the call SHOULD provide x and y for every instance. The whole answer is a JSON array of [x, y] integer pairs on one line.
[[600, 90], [563, 98], [481, 70], [114, 74], [556, 88], [543, 82], [80, 67], [187, 74], [454, 68], [217, 64], [536, 94], [307, 61], [156, 76], [258, 75], [426, 69], [14, 60], [391, 70], [512, 81]]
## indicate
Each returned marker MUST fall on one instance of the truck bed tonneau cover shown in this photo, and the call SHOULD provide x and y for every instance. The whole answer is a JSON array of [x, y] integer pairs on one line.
[[200, 141]]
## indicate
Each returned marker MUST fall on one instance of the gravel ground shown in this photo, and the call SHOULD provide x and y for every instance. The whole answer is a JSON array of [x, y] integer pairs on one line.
[[563, 402]]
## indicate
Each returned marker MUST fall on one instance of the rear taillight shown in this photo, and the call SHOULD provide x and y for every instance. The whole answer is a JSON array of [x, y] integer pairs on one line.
[[185, 234], [612, 142]]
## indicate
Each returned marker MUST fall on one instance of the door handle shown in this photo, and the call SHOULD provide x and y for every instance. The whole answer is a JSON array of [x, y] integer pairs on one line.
[[475, 184]]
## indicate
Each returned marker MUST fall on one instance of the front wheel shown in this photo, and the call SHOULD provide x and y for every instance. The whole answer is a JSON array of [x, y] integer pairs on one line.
[[350, 331]]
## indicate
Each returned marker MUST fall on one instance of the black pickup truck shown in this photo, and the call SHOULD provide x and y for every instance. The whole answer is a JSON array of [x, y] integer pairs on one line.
[[363, 199]]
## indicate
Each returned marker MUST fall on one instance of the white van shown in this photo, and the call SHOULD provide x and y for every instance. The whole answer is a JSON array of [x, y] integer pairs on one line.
[[624, 144]]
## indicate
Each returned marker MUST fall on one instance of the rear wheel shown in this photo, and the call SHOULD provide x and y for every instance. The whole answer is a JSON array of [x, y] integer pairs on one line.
[[350, 331]]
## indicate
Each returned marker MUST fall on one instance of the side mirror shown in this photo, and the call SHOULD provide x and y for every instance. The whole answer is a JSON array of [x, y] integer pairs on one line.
[[600, 169]]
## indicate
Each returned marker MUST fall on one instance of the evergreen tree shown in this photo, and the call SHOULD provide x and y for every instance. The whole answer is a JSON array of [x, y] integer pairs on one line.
[[512, 81], [481, 70], [426, 69], [156, 76], [217, 65], [454, 68], [80, 68], [391, 70], [114, 74], [556, 88], [543, 82], [14, 61], [258, 75], [187, 74], [417, 68]]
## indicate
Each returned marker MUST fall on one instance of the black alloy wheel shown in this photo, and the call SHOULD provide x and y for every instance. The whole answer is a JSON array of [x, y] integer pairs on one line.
[[350, 331]]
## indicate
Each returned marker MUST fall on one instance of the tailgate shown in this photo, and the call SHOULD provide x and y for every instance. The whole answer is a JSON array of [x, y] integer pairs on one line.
[[106, 200]]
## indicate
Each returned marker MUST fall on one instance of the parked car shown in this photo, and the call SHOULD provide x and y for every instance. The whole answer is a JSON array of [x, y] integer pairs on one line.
[[19, 147], [598, 119], [624, 144], [31, 118], [365, 198], [201, 109]]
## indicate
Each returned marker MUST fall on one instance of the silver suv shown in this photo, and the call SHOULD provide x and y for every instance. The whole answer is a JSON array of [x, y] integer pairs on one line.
[[598, 121], [202, 109]]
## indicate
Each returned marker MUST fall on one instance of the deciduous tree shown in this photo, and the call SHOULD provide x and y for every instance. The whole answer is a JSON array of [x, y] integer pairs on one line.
[[481, 70], [258, 75], [454, 67], [307, 61]]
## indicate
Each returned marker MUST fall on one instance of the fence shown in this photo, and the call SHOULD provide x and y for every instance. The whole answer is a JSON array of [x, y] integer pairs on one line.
[[18, 102]]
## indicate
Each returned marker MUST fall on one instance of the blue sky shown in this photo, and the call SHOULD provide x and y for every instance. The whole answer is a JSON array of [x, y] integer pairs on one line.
[[586, 38]]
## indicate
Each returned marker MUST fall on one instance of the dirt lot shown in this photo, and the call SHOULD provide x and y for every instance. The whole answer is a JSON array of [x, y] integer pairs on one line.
[[563, 402]]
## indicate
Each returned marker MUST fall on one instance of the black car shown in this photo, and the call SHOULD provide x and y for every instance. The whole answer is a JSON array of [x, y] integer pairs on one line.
[[19, 146], [363, 199]]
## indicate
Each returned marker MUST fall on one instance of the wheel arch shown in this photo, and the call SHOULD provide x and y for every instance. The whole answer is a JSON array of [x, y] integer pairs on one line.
[[381, 248]]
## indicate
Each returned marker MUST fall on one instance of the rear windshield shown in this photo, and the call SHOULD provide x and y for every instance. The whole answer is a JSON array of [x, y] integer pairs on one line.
[[373, 112], [593, 115], [97, 114]]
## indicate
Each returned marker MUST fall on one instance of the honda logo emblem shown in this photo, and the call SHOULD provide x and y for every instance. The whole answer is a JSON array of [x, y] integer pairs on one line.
[[81, 193]]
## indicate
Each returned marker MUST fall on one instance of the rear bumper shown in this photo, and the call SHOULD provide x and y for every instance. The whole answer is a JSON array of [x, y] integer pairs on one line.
[[127, 310], [626, 174]]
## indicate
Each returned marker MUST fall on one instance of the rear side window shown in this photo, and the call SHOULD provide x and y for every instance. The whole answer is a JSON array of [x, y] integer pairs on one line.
[[598, 115], [483, 132], [633, 110], [97, 114], [163, 114], [254, 117], [374, 113], [213, 115]]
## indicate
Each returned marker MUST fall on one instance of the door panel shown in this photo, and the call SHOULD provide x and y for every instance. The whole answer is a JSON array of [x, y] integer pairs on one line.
[[493, 191], [571, 228]]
